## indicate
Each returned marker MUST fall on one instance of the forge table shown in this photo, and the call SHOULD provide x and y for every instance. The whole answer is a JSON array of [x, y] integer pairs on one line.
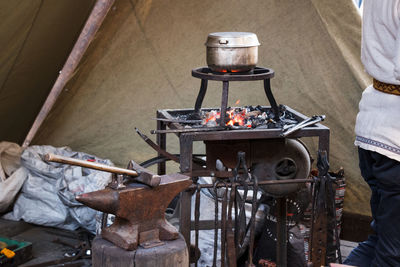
[[186, 140]]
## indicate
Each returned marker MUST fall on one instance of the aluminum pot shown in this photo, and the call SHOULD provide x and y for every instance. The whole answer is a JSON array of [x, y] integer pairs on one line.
[[232, 51]]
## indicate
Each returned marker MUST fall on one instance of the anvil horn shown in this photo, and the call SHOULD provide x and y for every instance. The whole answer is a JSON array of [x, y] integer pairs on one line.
[[105, 200]]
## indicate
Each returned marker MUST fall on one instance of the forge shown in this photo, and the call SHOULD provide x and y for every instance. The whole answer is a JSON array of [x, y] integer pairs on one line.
[[259, 147]]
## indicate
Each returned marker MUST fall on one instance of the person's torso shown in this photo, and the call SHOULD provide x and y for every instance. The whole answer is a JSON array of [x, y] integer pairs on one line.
[[380, 48]]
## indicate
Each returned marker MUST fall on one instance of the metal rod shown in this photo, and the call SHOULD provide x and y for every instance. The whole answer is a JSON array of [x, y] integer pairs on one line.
[[161, 151], [87, 164], [224, 102], [216, 225], [206, 172], [178, 120], [188, 130], [252, 222], [161, 140], [157, 147], [200, 96], [271, 98], [92, 25], [196, 223], [312, 228], [259, 183], [230, 235], [281, 233], [305, 123], [223, 225]]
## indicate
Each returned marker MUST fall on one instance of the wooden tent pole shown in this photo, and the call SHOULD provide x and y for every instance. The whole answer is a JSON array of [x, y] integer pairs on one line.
[[92, 25]]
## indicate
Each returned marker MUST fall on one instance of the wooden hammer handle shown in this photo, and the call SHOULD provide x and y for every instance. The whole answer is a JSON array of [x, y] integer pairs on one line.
[[87, 164]]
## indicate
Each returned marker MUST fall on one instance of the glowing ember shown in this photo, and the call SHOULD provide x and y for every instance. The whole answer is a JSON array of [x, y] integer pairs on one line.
[[212, 116], [236, 116], [227, 71]]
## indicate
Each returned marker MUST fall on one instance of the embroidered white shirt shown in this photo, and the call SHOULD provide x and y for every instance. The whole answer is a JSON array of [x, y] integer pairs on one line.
[[378, 121]]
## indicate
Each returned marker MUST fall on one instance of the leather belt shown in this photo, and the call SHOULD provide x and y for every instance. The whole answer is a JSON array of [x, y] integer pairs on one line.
[[388, 88]]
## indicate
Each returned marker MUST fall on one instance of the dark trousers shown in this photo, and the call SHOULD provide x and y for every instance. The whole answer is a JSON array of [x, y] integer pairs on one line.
[[382, 248]]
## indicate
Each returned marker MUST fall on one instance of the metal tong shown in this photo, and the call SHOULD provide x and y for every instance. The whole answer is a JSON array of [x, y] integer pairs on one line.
[[307, 122]]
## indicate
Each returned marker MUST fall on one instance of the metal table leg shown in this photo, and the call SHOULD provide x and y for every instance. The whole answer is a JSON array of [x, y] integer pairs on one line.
[[186, 151]]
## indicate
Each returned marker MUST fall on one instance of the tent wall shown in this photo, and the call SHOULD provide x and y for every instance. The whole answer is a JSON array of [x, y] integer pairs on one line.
[[144, 52], [36, 37]]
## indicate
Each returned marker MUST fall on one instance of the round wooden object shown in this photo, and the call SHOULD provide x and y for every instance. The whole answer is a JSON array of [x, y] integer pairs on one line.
[[172, 253]]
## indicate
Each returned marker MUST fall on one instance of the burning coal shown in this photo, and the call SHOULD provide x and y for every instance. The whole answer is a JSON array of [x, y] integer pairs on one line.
[[247, 117]]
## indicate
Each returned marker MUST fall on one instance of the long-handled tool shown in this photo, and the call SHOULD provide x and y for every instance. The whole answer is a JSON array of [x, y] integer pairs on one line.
[[142, 176], [307, 122]]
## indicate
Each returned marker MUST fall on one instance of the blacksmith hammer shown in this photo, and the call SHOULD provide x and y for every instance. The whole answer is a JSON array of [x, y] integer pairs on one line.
[[140, 174]]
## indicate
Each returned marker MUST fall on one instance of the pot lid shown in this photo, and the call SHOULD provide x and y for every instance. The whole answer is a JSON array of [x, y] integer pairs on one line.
[[232, 39]]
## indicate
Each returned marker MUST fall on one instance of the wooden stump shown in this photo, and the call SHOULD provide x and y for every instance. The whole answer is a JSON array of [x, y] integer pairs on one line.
[[172, 253]]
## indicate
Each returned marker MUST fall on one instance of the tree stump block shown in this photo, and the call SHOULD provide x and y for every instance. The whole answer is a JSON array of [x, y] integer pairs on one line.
[[171, 253]]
